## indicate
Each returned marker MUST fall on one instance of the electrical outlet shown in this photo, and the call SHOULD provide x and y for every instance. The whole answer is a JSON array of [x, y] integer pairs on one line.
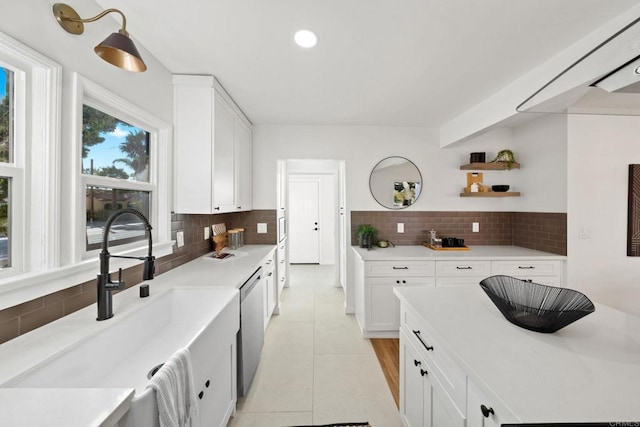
[[584, 233], [475, 227], [262, 227], [207, 233], [401, 227], [180, 238]]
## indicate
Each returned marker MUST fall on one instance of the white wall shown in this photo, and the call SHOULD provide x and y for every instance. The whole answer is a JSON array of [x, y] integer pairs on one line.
[[600, 150], [541, 149]]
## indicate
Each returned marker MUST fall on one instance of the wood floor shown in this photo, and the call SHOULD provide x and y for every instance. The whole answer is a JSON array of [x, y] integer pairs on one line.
[[388, 352]]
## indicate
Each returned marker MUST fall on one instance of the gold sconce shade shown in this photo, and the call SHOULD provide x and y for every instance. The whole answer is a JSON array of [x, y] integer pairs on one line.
[[117, 49]]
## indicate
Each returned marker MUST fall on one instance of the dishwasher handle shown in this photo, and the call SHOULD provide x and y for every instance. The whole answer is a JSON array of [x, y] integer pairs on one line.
[[251, 283]]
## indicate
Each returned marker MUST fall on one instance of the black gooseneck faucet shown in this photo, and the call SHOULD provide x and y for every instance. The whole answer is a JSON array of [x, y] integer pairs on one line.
[[105, 285]]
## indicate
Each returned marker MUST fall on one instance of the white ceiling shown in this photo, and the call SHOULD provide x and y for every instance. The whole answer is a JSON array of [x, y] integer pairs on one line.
[[377, 62]]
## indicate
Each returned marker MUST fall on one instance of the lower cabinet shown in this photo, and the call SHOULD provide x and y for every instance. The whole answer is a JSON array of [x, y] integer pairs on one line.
[[423, 400], [270, 286], [216, 393], [482, 411], [383, 308]]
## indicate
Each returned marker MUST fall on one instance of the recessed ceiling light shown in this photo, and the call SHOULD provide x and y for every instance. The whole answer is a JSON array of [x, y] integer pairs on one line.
[[305, 38]]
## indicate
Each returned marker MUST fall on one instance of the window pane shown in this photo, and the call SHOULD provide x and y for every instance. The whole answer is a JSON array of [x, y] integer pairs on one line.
[[5, 229], [6, 115], [113, 148], [102, 202]]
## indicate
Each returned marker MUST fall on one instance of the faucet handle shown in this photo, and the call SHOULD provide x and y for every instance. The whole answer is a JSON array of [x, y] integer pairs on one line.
[[119, 285]]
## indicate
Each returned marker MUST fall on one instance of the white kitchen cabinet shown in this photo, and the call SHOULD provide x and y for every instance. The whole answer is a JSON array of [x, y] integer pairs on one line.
[[377, 309], [423, 400], [547, 272], [461, 273], [376, 273], [213, 144], [484, 411], [270, 286], [282, 271]]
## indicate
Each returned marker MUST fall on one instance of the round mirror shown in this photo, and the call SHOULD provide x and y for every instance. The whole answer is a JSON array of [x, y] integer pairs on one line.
[[395, 183]]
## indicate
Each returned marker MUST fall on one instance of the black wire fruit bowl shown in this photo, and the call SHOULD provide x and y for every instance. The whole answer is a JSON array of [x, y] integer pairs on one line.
[[536, 307]]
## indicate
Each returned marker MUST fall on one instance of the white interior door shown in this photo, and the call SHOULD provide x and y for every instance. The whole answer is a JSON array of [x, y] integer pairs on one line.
[[304, 214]]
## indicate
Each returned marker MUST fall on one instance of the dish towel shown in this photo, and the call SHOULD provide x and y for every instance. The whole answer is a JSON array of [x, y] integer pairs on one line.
[[175, 392]]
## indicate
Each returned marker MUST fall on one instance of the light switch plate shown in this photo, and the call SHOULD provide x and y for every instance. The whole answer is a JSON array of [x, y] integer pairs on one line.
[[401, 227], [262, 227], [207, 232], [180, 238], [475, 227]]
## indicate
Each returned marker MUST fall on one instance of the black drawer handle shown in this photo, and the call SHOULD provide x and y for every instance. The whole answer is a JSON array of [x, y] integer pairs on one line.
[[207, 384], [486, 411], [417, 334], [464, 268], [526, 268], [201, 395], [417, 362], [400, 268], [424, 372]]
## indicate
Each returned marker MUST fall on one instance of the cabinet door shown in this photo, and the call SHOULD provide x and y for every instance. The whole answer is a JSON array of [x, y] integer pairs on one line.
[[223, 157], [482, 410], [193, 150], [412, 398], [382, 307], [244, 165], [216, 391]]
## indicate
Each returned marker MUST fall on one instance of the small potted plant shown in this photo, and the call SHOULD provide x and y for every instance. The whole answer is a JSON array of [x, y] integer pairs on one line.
[[506, 157], [366, 235]]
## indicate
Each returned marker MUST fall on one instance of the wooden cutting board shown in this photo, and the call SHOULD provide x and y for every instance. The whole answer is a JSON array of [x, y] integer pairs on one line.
[[439, 248]]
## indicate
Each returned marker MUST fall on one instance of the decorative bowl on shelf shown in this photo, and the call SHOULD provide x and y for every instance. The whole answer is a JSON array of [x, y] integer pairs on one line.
[[500, 188], [536, 307]]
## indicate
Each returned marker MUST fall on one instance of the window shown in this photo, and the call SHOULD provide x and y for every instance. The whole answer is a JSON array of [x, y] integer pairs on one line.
[[6, 151], [122, 161], [117, 153]]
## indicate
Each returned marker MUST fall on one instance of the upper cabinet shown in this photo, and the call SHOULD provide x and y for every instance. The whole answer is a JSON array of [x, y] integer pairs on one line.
[[213, 146]]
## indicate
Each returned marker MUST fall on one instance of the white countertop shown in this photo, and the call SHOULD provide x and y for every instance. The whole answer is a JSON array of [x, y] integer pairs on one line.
[[39, 407], [22, 353], [588, 371], [420, 253]]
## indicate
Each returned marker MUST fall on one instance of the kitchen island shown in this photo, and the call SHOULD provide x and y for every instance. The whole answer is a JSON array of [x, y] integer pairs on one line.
[[587, 372]]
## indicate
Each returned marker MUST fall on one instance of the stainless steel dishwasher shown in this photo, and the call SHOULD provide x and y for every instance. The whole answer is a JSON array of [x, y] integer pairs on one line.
[[251, 333]]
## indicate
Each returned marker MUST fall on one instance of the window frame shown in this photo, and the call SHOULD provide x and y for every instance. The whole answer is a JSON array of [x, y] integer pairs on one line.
[[90, 93], [33, 169]]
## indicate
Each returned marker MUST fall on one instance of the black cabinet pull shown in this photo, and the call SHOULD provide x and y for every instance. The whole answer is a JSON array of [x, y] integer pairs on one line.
[[400, 268], [201, 395], [207, 384], [424, 372], [464, 268], [217, 208], [417, 362], [398, 281], [404, 281], [486, 411], [417, 334], [526, 268]]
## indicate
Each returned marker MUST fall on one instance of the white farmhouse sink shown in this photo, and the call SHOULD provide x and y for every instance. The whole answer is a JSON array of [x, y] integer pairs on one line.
[[122, 354]]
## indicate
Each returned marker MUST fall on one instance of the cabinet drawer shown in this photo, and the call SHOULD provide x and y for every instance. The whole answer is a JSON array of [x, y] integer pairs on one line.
[[449, 374], [463, 268], [399, 268], [269, 261], [527, 268], [460, 281]]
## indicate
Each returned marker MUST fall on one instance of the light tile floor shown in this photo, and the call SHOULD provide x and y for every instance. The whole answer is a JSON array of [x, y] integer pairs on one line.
[[316, 368]]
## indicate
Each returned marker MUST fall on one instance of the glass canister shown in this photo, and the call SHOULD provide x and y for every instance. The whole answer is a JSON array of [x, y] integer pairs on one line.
[[241, 237], [234, 238]]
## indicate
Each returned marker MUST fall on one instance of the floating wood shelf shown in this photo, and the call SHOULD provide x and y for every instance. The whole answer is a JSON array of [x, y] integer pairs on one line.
[[491, 166], [492, 194]]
